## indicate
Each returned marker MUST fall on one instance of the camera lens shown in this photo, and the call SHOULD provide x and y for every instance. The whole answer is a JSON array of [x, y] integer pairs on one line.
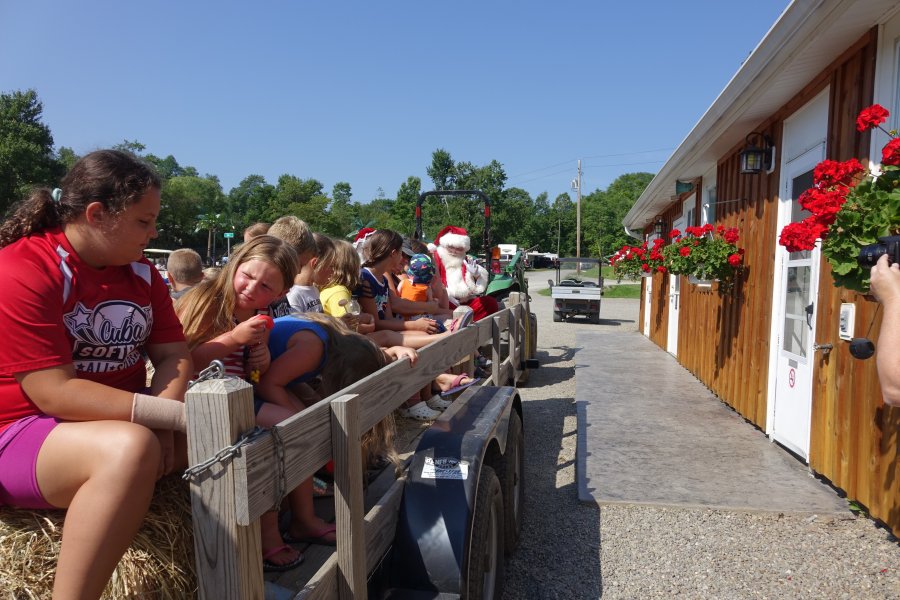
[[869, 255]]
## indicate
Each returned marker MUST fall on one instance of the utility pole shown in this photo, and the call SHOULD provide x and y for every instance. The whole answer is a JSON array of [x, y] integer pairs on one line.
[[576, 185]]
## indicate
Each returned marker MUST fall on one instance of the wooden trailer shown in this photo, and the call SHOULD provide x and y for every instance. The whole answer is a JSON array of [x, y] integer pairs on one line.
[[478, 442]]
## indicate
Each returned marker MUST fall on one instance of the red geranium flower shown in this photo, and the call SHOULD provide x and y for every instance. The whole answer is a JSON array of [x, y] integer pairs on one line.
[[685, 251], [871, 116], [829, 173], [730, 235], [661, 269], [674, 233], [734, 259], [890, 154]]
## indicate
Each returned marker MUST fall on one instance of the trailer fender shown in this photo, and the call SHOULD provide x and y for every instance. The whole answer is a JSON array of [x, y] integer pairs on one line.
[[435, 522]]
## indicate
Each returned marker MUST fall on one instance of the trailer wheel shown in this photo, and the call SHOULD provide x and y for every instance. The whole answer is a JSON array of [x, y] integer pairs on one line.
[[484, 571], [511, 472]]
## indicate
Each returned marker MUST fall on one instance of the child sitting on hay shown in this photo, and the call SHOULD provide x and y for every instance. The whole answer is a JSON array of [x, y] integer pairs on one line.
[[83, 304]]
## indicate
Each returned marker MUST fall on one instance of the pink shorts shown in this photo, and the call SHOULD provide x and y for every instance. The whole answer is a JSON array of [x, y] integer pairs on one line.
[[19, 447]]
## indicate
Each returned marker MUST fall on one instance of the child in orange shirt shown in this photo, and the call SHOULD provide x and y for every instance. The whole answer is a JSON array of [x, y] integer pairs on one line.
[[416, 287]]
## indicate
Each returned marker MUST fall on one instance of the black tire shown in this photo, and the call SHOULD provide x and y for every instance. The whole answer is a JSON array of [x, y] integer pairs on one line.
[[484, 564], [511, 472]]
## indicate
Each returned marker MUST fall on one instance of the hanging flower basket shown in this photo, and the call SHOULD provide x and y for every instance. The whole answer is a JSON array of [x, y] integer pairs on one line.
[[633, 261], [705, 253], [850, 208]]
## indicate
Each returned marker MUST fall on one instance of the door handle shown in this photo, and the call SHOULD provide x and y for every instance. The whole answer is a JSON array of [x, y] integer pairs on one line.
[[809, 313], [825, 348]]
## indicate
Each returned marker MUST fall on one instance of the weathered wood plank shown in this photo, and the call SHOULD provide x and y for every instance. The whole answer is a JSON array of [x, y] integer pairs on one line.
[[323, 585], [348, 497], [228, 555]]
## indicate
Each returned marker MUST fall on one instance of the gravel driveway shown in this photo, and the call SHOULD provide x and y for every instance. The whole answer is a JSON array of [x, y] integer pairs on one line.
[[575, 550]]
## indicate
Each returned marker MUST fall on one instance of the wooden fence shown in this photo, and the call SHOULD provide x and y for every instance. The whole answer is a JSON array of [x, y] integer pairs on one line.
[[228, 498]]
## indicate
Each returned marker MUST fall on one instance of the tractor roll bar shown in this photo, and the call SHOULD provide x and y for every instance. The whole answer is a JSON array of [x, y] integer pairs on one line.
[[487, 213]]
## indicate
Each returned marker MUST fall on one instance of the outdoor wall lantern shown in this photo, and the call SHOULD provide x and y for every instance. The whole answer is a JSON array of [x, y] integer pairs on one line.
[[659, 227], [755, 158]]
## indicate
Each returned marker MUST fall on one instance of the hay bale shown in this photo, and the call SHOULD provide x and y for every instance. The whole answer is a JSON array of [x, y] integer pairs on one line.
[[158, 565]]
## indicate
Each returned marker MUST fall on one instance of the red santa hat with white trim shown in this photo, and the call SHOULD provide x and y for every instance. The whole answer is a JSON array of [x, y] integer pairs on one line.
[[451, 235], [361, 236]]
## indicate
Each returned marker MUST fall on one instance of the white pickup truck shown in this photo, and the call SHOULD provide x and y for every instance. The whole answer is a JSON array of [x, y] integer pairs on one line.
[[575, 296]]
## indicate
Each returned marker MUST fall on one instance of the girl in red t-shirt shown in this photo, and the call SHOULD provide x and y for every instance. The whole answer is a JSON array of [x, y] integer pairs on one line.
[[84, 306]]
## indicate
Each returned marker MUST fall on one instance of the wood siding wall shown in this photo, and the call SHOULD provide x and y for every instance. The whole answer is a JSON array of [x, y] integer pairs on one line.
[[724, 338]]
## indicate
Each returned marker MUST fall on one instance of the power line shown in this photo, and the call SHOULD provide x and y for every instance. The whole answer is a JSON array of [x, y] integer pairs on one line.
[[644, 162], [628, 153], [567, 162], [543, 168]]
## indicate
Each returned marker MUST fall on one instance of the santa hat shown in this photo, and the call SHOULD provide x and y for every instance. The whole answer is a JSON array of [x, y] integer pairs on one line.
[[453, 236], [361, 236]]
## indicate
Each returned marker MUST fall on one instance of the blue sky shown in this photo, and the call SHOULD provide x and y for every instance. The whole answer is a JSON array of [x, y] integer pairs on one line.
[[364, 92]]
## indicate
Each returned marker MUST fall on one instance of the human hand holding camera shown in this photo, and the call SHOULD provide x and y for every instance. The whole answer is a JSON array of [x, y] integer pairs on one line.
[[885, 286], [885, 282]]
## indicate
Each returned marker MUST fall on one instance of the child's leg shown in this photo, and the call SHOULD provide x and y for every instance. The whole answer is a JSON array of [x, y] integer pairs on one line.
[[303, 517], [305, 524], [104, 472]]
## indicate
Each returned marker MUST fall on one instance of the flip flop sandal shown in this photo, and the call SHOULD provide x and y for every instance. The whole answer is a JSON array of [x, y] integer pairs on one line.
[[316, 537], [321, 488], [271, 567], [458, 387]]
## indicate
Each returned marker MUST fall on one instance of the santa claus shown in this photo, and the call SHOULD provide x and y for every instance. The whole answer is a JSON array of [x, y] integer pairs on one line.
[[464, 279]]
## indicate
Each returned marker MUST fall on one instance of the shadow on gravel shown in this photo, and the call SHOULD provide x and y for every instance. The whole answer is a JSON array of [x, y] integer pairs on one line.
[[544, 358], [559, 555]]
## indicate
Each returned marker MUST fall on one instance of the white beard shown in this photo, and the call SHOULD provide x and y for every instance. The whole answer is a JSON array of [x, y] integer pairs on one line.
[[462, 288]]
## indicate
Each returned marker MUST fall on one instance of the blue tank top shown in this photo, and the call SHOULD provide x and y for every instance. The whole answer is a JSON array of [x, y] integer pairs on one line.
[[287, 326]]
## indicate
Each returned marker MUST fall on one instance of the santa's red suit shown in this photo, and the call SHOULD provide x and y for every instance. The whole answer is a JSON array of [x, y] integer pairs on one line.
[[464, 279]]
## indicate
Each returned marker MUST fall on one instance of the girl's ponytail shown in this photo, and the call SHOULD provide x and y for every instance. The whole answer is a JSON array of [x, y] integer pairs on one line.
[[37, 212]]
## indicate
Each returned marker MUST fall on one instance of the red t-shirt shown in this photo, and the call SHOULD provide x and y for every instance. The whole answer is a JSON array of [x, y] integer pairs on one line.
[[56, 310]]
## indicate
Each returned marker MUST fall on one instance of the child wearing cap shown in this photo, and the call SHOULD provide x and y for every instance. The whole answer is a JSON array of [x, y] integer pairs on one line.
[[416, 287]]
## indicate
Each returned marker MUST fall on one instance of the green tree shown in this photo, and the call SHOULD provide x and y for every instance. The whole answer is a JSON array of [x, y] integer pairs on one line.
[[403, 210], [67, 157], [191, 205], [603, 211], [250, 200], [442, 170], [26, 148], [303, 198], [564, 219], [134, 147]]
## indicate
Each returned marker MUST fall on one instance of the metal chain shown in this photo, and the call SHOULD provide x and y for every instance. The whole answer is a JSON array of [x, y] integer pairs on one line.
[[225, 454], [215, 370], [280, 483]]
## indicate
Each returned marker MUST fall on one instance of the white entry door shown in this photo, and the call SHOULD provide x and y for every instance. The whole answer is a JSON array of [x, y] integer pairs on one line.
[[648, 295], [795, 300], [675, 299]]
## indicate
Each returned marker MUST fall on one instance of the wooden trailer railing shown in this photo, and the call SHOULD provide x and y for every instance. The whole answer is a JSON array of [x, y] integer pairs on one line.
[[246, 476]]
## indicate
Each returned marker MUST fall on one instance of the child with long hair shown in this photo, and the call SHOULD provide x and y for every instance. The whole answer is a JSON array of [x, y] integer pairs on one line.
[[83, 304], [384, 254], [221, 322], [303, 346]]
